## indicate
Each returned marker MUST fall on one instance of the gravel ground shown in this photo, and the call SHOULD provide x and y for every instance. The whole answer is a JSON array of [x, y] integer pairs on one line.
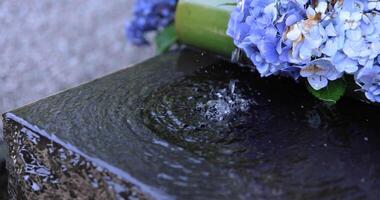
[[48, 46]]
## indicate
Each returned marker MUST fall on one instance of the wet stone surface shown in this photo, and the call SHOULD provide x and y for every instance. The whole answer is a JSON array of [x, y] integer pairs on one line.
[[189, 125]]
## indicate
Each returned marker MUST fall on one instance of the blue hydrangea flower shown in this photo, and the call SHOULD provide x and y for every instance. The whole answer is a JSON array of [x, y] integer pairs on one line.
[[253, 28], [319, 72], [149, 15], [323, 39], [369, 80]]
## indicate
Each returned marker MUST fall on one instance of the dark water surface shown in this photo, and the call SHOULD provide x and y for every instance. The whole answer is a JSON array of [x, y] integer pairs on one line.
[[3, 180], [195, 126]]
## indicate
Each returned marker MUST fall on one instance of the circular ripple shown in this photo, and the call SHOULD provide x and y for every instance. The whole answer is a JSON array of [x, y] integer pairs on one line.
[[217, 114], [265, 132]]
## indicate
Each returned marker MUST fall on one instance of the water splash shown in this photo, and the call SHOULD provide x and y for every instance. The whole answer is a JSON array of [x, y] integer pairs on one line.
[[225, 103]]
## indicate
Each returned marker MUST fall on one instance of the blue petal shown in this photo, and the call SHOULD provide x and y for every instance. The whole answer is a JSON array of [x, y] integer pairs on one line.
[[317, 82]]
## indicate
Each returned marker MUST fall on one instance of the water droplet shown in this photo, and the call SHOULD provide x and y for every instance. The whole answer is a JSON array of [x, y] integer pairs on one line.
[[228, 102]]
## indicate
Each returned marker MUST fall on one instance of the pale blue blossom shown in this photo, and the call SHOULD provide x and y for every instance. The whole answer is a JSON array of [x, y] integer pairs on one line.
[[350, 20], [319, 72], [343, 63], [374, 5], [369, 80]]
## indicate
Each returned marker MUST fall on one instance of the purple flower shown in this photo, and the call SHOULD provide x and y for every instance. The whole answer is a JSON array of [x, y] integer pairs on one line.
[[369, 80], [319, 72], [320, 39], [149, 15], [253, 28]]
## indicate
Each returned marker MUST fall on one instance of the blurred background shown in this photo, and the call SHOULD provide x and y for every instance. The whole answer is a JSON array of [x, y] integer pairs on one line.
[[48, 46]]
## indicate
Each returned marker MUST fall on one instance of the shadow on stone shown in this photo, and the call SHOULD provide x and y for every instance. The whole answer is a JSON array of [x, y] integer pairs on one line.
[[3, 180]]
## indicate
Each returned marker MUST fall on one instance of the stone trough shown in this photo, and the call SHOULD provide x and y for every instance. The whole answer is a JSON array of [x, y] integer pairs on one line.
[[190, 125]]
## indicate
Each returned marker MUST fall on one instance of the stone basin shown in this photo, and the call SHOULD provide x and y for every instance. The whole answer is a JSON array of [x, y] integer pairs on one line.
[[190, 125]]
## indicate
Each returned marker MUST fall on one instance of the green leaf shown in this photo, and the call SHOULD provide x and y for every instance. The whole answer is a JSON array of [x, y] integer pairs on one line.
[[332, 93], [166, 38]]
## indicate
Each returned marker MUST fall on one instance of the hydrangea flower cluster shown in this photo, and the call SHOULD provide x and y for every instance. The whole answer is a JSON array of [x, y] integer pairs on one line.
[[149, 15], [320, 40]]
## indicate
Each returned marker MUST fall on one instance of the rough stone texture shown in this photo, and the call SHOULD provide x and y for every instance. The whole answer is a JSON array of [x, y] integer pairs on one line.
[[48, 46], [42, 169]]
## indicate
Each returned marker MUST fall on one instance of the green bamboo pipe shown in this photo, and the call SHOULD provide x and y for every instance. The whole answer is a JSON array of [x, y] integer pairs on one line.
[[203, 24]]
